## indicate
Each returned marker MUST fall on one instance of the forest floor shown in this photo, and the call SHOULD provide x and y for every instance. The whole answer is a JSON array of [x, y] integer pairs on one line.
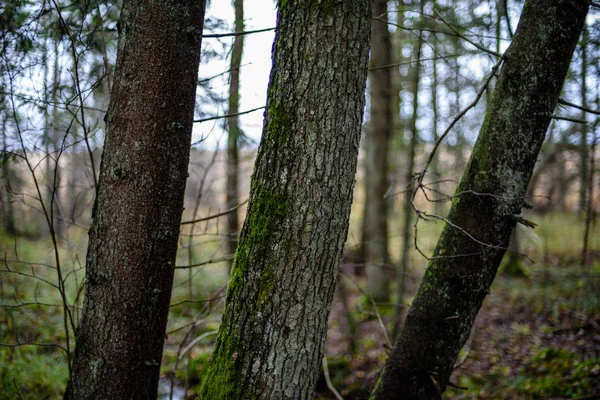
[[534, 338]]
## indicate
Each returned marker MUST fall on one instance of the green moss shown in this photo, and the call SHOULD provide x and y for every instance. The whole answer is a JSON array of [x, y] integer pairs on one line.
[[278, 125], [265, 215], [327, 6]]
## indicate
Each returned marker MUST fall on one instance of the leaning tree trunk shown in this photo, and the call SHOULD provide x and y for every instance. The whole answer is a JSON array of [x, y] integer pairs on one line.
[[459, 276], [284, 275], [377, 141], [133, 238], [233, 137]]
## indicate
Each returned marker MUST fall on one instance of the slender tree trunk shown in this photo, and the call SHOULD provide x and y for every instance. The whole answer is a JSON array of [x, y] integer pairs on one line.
[[435, 162], [53, 149], [234, 129], [8, 215], [133, 237], [589, 211], [412, 150], [377, 148], [513, 267], [459, 276], [583, 165], [460, 140], [283, 279]]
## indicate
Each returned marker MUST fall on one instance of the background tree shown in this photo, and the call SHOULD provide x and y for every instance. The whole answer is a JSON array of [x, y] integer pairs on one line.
[[133, 238], [377, 146], [234, 132], [271, 337], [487, 202]]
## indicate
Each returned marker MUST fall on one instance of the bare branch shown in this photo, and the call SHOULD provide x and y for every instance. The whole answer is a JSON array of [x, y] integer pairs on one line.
[[230, 34], [228, 115], [577, 106], [466, 39], [215, 215], [211, 261]]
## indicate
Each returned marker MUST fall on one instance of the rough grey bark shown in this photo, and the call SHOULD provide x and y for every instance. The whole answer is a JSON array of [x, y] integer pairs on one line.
[[275, 322], [377, 144], [136, 216], [459, 276], [233, 138]]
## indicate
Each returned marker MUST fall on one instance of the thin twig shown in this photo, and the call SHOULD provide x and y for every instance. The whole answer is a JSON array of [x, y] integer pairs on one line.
[[230, 34], [213, 260], [337, 394], [215, 215], [577, 106], [477, 45], [228, 115]]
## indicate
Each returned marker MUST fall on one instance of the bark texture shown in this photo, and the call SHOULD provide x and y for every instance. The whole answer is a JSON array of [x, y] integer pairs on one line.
[[377, 140], [233, 137], [458, 278], [283, 279], [133, 238]]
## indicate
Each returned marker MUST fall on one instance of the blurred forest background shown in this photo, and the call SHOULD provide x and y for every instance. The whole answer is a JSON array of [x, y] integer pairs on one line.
[[538, 334]]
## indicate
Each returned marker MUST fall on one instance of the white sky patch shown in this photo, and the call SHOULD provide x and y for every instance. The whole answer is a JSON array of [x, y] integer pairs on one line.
[[256, 66]]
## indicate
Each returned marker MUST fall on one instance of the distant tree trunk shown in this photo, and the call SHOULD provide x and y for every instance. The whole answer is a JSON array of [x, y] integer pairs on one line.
[[53, 149], [590, 212], [284, 275], [435, 162], [377, 142], [583, 165], [459, 276], [459, 162], [513, 267], [133, 237], [412, 150], [8, 215], [233, 137]]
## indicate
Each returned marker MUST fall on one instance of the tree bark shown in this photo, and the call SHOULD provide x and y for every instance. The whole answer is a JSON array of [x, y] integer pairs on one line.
[[459, 276], [275, 322], [233, 138], [377, 143], [136, 216]]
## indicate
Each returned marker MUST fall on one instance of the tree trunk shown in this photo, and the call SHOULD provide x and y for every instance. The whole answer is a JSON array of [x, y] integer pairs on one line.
[[233, 137], [8, 214], [412, 151], [583, 165], [136, 216], [513, 267], [377, 146], [459, 276], [283, 279]]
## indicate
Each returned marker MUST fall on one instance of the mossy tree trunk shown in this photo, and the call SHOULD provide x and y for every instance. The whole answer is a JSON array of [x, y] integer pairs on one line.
[[136, 216], [488, 197], [271, 337], [377, 143], [234, 133]]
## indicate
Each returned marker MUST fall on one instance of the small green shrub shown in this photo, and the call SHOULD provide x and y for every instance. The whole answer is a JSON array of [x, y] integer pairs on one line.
[[556, 373]]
